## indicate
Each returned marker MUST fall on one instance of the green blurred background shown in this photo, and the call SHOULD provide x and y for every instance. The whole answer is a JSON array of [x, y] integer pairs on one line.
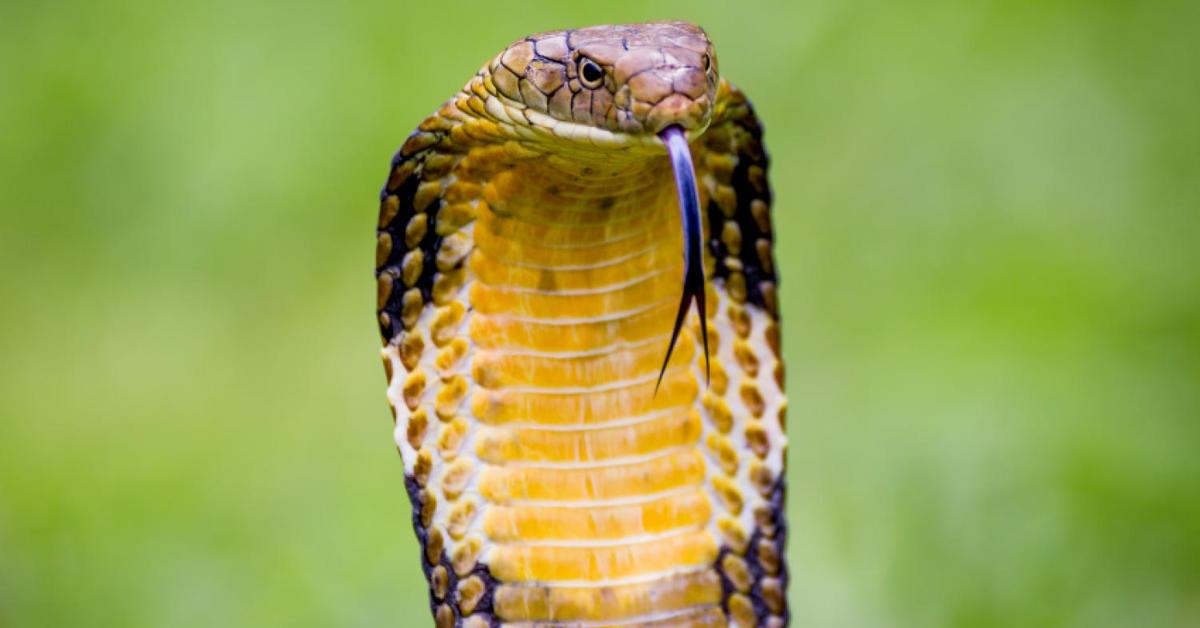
[[988, 218]]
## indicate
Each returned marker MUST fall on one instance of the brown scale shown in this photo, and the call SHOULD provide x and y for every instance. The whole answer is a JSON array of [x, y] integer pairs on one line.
[[454, 593]]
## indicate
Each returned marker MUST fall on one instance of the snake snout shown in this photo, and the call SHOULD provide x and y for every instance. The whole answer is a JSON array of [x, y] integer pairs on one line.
[[678, 110], [678, 92]]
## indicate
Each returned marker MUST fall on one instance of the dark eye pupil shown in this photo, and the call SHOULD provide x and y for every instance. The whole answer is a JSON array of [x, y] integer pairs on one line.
[[592, 72]]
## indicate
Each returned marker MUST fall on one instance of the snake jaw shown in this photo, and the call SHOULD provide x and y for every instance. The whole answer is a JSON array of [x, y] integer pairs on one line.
[[675, 139]]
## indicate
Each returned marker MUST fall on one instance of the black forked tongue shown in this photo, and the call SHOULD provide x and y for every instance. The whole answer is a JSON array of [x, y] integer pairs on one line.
[[693, 275]]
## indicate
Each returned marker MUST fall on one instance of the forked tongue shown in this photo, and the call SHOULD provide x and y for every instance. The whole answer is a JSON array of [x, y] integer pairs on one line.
[[693, 275]]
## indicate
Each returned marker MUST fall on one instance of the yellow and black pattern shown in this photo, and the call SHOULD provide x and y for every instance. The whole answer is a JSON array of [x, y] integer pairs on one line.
[[529, 267], [739, 206]]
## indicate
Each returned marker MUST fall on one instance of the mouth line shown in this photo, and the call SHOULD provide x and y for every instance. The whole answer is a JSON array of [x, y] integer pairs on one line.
[[674, 138]]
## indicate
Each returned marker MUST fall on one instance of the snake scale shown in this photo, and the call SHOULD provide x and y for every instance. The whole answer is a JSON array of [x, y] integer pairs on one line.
[[577, 297]]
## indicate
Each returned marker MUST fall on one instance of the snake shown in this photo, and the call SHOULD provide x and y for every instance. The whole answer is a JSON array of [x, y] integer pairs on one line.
[[578, 300]]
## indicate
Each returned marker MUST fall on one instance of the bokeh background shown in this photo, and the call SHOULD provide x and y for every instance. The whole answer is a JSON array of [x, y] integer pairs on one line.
[[988, 218]]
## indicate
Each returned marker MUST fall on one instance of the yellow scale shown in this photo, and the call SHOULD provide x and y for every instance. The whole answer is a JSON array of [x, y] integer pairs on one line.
[[608, 504]]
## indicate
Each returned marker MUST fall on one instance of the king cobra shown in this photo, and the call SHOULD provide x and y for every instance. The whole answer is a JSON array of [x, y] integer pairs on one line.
[[577, 296]]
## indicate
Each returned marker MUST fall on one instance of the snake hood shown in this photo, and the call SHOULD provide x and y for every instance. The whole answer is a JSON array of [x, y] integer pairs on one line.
[[581, 446]]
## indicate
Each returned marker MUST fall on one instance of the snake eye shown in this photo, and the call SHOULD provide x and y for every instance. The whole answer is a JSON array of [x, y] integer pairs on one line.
[[590, 74], [707, 63]]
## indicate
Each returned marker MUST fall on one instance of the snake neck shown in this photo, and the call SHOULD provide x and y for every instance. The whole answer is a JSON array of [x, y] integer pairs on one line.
[[574, 279], [575, 256]]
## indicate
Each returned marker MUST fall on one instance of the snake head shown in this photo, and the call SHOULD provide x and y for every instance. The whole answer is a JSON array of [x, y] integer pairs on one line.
[[634, 79]]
